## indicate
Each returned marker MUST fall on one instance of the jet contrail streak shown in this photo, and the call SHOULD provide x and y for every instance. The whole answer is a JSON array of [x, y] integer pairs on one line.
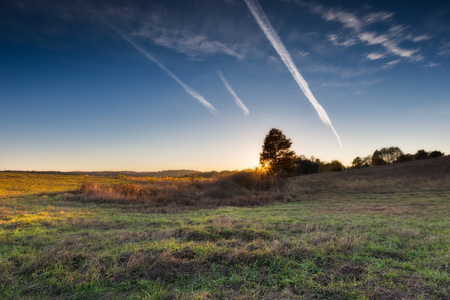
[[276, 42], [236, 98], [187, 88]]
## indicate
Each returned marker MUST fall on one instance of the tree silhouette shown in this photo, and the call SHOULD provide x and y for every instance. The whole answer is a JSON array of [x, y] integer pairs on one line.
[[377, 160], [276, 154], [305, 166], [435, 154], [390, 155], [333, 166], [405, 157], [363, 162], [421, 154]]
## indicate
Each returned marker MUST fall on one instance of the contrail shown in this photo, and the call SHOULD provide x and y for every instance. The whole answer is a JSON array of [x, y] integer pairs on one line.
[[276, 42], [236, 98], [187, 88]]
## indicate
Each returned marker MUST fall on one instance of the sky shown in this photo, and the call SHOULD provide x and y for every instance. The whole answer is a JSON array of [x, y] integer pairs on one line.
[[158, 85]]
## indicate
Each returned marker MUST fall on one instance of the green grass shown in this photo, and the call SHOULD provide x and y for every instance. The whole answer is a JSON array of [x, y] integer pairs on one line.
[[21, 183], [318, 243]]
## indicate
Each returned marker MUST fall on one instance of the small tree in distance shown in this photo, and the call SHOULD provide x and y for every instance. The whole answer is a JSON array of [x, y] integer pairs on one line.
[[435, 154], [276, 154]]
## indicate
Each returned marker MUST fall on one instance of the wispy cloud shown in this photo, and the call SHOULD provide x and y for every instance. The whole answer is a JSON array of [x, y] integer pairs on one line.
[[352, 83], [150, 57], [276, 42], [302, 53], [391, 63], [394, 62], [237, 100], [186, 35], [389, 44], [341, 41], [431, 65], [391, 39], [375, 56], [420, 38], [344, 72], [183, 41], [444, 50], [377, 17]]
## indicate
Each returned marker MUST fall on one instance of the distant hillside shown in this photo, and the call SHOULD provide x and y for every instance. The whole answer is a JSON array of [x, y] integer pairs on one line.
[[432, 167], [159, 174], [418, 175]]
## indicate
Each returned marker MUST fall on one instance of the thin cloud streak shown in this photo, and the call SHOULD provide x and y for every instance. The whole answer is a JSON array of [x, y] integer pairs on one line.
[[187, 88], [276, 42], [236, 98]]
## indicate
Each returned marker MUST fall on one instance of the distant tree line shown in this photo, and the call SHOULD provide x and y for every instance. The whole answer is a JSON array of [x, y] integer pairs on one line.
[[390, 155]]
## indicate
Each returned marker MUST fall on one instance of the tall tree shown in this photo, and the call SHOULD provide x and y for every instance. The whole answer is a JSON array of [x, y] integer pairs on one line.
[[276, 152]]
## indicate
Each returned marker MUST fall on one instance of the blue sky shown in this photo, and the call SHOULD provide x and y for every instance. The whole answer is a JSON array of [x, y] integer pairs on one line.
[[153, 85]]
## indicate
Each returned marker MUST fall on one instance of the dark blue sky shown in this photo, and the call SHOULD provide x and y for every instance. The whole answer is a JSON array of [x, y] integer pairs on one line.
[[135, 84]]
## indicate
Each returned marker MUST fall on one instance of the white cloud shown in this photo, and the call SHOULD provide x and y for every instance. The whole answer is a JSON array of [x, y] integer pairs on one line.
[[377, 17], [391, 64], [347, 19], [420, 38], [394, 62], [372, 39], [341, 41], [431, 65], [390, 44], [375, 56]]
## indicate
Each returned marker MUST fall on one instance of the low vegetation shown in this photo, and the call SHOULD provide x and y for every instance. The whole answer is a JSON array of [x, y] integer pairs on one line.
[[243, 188], [373, 233]]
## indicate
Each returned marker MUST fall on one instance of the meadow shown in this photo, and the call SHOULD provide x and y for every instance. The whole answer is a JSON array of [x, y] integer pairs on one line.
[[375, 233]]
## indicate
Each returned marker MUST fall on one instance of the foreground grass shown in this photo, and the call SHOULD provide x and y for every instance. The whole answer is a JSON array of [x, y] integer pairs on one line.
[[316, 244]]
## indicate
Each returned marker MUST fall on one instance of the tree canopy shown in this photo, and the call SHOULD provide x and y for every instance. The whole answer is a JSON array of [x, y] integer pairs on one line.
[[276, 152]]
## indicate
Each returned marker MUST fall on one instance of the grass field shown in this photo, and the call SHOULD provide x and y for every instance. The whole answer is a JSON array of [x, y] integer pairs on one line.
[[376, 233]]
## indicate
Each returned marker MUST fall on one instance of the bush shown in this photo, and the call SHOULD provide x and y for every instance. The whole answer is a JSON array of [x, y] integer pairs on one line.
[[435, 154], [421, 154], [334, 166]]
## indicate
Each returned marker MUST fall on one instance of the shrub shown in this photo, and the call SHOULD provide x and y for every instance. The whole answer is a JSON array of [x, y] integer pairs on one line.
[[435, 154], [421, 154]]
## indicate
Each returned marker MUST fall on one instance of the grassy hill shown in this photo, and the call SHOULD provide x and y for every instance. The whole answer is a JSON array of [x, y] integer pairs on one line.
[[375, 233], [428, 174]]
